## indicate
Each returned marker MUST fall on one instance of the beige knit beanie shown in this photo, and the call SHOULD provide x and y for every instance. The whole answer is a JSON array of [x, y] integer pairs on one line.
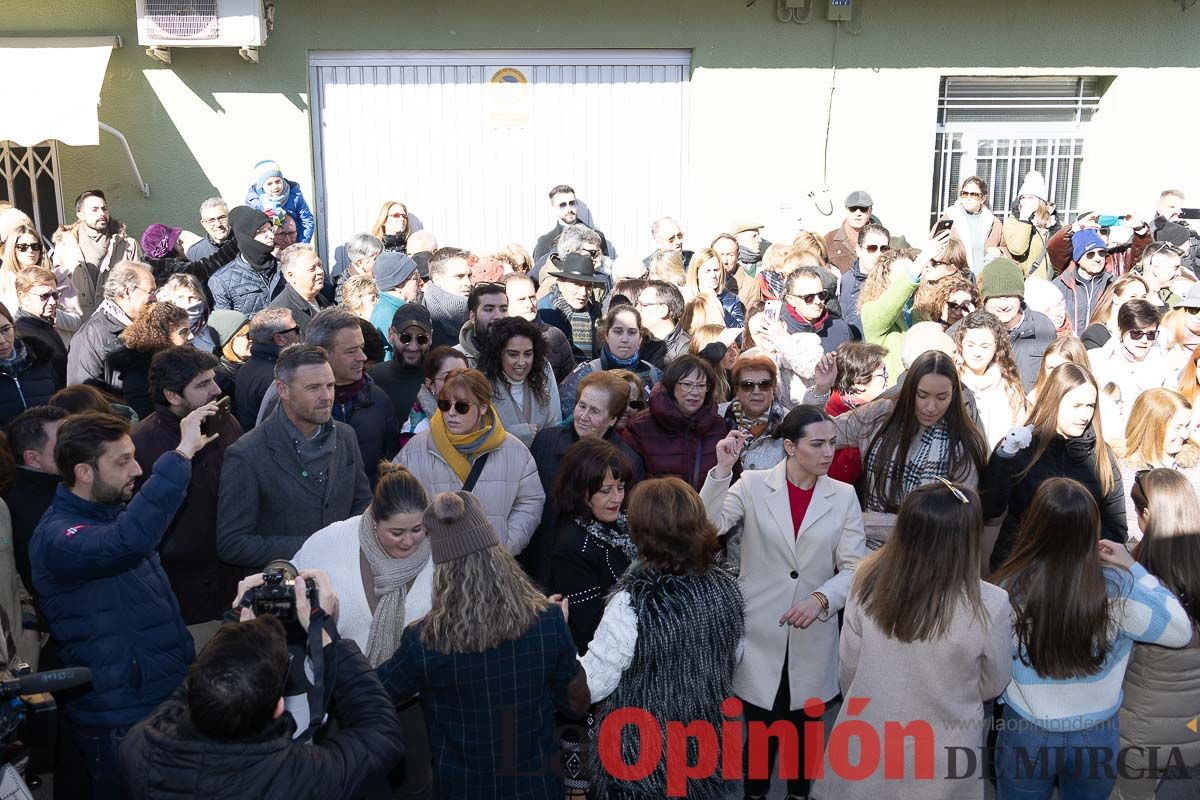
[[457, 526]]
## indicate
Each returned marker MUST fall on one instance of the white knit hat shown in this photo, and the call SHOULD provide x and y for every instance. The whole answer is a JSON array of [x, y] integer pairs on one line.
[[1034, 185]]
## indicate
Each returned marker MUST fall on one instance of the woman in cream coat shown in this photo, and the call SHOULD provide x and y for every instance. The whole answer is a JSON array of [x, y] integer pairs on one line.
[[802, 537]]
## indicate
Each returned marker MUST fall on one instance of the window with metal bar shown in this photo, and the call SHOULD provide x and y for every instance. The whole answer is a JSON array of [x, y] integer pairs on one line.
[[29, 180], [1001, 128]]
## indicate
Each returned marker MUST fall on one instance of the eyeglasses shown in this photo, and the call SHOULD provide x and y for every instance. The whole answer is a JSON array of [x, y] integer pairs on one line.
[[397, 215], [689, 388], [881, 375], [762, 385], [965, 193], [1095, 254], [877, 248], [42, 298], [809, 298], [966, 305], [214, 220], [1149, 336], [6, 331], [1192, 311], [954, 490], [1137, 476], [593, 254], [638, 405], [676, 238], [640, 303], [421, 338], [289, 330], [459, 406], [858, 209], [25, 248], [568, 204]]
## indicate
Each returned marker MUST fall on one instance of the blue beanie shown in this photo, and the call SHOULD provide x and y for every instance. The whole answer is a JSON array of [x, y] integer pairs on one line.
[[1087, 239], [266, 169]]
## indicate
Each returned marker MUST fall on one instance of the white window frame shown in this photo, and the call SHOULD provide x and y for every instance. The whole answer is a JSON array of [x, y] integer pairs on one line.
[[31, 166]]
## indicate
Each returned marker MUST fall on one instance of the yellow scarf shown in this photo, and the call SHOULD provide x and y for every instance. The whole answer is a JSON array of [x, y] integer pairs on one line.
[[456, 447]]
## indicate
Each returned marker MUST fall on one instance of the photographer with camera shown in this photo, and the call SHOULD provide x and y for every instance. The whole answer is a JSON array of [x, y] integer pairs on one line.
[[225, 733], [102, 588]]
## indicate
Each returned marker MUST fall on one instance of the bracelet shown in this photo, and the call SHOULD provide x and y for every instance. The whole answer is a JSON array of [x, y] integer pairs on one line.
[[823, 600]]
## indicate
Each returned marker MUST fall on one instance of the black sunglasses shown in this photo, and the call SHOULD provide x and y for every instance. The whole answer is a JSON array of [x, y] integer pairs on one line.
[[459, 406], [1095, 253], [810, 298], [877, 248], [637, 405], [746, 386], [421, 338], [859, 209], [965, 306], [289, 330], [25, 248], [1149, 336]]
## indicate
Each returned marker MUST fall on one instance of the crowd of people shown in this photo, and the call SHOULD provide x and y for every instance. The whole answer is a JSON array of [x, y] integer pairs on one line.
[[952, 473]]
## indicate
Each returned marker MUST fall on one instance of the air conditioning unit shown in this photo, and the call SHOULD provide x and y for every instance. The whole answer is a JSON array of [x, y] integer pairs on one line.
[[163, 24]]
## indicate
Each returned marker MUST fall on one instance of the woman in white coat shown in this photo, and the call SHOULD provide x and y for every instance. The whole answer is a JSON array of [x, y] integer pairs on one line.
[[380, 566], [802, 537]]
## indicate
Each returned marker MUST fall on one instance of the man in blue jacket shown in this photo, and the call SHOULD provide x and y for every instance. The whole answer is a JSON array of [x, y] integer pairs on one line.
[[103, 592]]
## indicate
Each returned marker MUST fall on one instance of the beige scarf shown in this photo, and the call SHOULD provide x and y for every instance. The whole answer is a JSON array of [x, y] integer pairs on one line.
[[392, 577]]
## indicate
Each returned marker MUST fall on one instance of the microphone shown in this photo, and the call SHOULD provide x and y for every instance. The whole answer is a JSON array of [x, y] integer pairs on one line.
[[49, 681]]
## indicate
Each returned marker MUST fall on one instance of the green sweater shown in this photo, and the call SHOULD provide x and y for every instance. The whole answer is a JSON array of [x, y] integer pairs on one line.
[[884, 323]]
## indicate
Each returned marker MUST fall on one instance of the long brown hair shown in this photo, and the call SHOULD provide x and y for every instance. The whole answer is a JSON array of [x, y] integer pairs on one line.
[[1044, 419], [1069, 347], [1170, 548], [1003, 357], [888, 449], [1189, 386], [1102, 312], [479, 601], [1056, 583], [914, 585]]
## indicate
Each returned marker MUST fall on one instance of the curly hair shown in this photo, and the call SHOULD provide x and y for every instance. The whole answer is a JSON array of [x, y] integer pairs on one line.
[[151, 329], [985, 320], [931, 298], [880, 278], [491, 355]]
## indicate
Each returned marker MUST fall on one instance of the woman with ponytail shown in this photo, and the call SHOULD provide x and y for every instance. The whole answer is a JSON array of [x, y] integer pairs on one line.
[[380, 566], [1079, 604]]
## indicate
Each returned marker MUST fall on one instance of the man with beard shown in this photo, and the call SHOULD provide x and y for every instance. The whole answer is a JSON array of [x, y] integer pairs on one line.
[[297, 472], [487, 303], [214, 218], [102, 589], [410, 335], [183, 379], [87, 250], [564, 206], [249, 282]]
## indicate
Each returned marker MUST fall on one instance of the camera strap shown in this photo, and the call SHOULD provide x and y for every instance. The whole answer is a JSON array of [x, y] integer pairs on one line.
[[319, 696], [476, 471]]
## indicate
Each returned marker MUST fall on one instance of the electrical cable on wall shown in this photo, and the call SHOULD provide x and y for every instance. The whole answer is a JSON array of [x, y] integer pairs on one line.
[[800, 16], [828, 123]]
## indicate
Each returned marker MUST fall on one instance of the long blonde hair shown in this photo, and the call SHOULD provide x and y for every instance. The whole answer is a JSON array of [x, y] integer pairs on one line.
[[10, 266], [479, 601], [1044, 418], [381, 218], [1146, 430]]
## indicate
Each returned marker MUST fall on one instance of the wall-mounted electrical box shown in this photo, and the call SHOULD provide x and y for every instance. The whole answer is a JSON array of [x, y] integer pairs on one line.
[[840, 10]]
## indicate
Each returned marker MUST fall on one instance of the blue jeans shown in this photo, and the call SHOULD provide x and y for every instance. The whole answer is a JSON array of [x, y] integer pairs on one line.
[[99, 746], [1030, 759]]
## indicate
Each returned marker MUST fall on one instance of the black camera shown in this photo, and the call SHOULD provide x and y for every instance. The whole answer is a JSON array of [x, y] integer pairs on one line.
[[28, 713], [395, 243], [277, 593]]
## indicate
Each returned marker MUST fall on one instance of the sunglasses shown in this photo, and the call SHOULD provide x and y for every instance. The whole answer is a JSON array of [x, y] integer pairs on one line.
[[44, 297], [858, 209], [810, 298], [638, 405], [1192, 311], [568, 204], [877, 248], [25, 248], [1149, 336], [954, 490], [421, 338], [1095, 254], [964, 306], [289, 330], [459, 406], [762, 385], [965, 193], [397, 215]]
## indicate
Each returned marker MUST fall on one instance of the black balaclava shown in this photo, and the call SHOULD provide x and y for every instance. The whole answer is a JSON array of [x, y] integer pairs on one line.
[[245, 222]]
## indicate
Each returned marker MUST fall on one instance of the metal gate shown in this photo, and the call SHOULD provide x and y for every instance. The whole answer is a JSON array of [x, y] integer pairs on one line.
[[472, 141]]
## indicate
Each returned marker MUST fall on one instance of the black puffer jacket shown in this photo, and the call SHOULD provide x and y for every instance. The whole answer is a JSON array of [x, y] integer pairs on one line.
[[133, 367], [1005, 484], [164, 756], [31, 385]]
